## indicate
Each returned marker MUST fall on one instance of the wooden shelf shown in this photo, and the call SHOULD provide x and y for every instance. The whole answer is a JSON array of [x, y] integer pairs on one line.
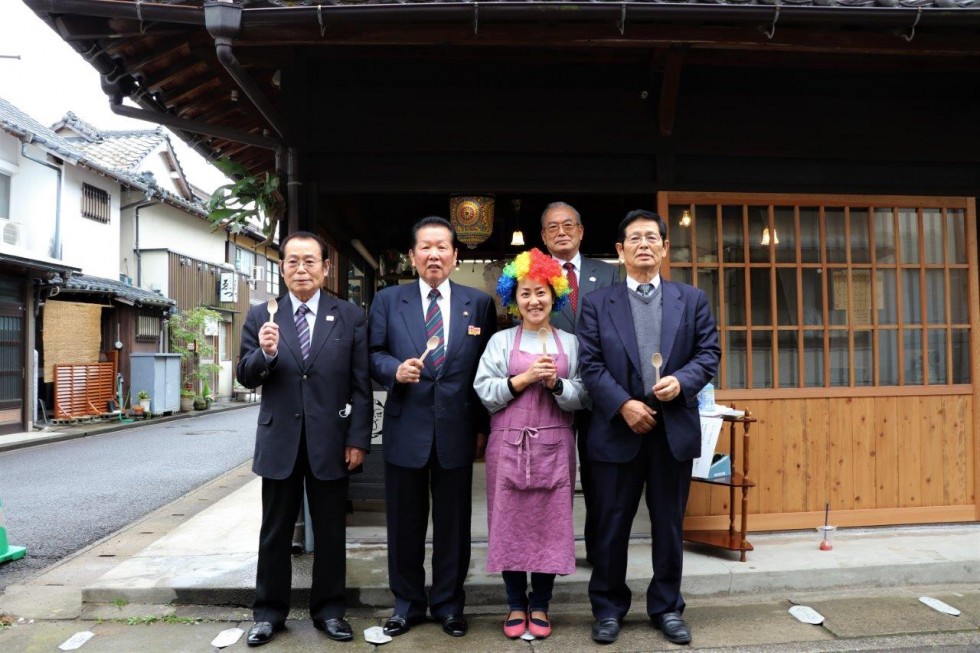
[[735, 480], [731, 539], [720, 539]]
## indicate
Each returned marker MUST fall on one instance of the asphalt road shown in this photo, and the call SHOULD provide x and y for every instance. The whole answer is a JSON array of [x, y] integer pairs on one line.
[[61, 497]]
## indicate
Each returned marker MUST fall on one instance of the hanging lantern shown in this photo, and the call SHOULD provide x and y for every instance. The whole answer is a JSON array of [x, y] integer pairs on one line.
[[472, 218]]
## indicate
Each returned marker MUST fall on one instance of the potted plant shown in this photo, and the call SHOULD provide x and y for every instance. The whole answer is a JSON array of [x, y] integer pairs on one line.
[[250, 200], [206, 393], [186, 400], [199, 402], [143, 397], [188, 338]]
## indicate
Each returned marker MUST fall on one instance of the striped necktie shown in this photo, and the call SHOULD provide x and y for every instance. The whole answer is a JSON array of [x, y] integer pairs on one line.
[[303, 330], [433, 327]]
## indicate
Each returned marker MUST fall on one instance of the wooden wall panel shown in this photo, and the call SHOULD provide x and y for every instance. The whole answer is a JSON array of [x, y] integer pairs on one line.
[[875, 459], [909, 477], [931, 427], [884, 493]]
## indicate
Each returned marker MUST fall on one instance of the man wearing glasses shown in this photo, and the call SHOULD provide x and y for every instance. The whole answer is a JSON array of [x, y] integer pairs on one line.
[[645, 427], [562, 231], [309, 353]]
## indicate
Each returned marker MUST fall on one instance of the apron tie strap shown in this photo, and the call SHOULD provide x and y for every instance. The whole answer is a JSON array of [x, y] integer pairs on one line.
[[524, 449]]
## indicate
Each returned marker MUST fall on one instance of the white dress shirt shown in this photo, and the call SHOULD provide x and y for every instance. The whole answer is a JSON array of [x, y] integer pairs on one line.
[[633, 284]]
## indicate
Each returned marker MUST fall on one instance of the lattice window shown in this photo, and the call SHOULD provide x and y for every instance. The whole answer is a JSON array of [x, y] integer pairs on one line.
[[829, 291], [95, 204], [148, 328]]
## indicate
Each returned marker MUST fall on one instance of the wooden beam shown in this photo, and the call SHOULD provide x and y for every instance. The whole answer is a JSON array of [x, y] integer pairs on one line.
[[670, 88]]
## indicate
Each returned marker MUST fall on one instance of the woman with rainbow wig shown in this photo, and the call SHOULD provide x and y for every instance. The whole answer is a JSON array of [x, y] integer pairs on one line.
[[528, 379]]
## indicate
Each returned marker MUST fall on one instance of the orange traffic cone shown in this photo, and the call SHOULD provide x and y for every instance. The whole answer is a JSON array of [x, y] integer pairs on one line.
[[7, 552]]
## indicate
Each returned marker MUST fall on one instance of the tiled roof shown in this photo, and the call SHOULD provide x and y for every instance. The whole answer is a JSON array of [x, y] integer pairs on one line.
[[943, 4], [86, 284], [20, 124], [115, 154]]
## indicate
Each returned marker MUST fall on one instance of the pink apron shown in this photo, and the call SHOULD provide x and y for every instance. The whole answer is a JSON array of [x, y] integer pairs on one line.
[[531, 477]]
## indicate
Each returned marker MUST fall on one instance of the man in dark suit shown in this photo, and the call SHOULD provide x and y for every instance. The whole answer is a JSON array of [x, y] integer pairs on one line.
[[434, 425], [562, 231], [311, 359], [645, 427]]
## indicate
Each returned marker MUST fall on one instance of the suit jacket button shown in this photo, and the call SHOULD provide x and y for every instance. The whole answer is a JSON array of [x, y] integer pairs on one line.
[[297, 415], [305, 377]]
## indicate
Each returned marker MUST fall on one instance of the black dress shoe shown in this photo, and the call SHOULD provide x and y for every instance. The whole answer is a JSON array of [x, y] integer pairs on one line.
[[336, 629], [454, 625], [605, 630], [673, 627], [399, 625], [261, 633]]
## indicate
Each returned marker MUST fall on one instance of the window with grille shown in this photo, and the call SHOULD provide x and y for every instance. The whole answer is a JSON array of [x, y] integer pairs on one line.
[[95, 204], [830, 292], [147, 327], [272, 277], [4, 196]]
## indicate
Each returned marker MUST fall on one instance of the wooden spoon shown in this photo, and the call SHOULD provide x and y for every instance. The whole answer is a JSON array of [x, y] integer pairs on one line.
[[273, 307], [657, 361], [543, 335], [430, 345]]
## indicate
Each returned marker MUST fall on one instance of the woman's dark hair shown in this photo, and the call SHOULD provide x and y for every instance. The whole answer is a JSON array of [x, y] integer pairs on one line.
[[641, 214]]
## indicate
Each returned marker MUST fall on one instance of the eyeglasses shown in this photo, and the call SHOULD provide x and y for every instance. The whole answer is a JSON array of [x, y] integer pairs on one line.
[[307, 263], [635, 239], [568, 227]]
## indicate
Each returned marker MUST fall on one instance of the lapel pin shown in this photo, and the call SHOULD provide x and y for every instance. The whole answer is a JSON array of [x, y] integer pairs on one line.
[[466, 313], [592, 279], [473, 330], [330, 318]]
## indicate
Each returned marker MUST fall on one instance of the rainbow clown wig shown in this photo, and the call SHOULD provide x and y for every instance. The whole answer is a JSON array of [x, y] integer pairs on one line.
[[538, 266]]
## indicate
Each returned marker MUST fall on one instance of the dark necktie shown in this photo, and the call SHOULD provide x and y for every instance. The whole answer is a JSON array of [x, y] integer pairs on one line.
[[573, 285], [433, 327], [645, 289], [303, 330]]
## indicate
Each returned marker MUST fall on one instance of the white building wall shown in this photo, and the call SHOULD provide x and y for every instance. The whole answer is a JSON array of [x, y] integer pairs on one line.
[[89, 244], [33, 197], [165, 227]]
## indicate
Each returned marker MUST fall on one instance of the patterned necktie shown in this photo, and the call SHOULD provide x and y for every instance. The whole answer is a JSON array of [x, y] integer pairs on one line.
[[303, 330], [573, 284], [433, 327], [645, 289]]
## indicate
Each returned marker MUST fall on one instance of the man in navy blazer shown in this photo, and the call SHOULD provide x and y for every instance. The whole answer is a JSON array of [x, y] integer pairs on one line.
[[645, 427], [561, 232], [314, 427], [434, 425]]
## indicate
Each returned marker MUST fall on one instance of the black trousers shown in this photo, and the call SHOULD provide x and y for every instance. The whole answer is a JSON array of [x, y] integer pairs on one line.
[[281, 501], [618, 487], [407, 513]]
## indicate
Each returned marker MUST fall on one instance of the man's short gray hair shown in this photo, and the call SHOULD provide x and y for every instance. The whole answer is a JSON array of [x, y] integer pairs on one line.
[[560, 205]]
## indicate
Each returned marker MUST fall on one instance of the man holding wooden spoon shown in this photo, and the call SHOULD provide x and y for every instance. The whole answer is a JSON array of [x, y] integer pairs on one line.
[[309, 353]]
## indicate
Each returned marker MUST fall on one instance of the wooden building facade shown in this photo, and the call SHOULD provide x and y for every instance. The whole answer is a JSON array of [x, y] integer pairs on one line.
[[818, 165]]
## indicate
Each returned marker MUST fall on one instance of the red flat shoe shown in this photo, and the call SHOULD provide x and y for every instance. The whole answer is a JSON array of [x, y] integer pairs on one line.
[[514, 628], [540, 628]]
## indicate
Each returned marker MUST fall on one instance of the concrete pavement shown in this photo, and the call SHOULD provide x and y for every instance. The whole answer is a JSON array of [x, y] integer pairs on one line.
[[146, 587]]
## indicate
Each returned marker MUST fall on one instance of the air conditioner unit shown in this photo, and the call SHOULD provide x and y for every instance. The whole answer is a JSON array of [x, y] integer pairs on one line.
[[11, 232], [258, 273]]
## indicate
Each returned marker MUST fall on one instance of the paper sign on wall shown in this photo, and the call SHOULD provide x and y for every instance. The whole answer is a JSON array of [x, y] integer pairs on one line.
[[228, 287]]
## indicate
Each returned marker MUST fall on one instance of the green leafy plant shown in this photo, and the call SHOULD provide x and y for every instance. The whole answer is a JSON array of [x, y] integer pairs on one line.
[[251, 199], [187, 338], [142, 394]]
